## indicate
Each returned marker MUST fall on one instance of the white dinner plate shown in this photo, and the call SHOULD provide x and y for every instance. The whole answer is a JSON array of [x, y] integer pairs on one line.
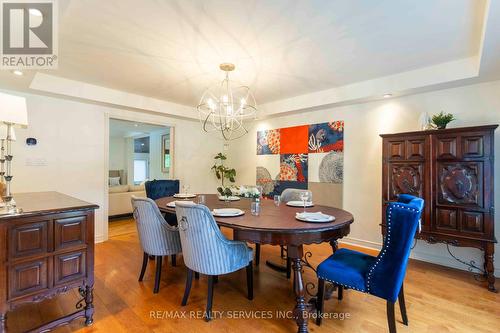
[[171, 204], [299, 204], [184, 195], [314, 218], [227, 212], [231, 198]]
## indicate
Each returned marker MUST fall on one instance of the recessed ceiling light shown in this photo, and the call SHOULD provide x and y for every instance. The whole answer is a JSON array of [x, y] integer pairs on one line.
[[17, 72], [136, 125], [387, 95]]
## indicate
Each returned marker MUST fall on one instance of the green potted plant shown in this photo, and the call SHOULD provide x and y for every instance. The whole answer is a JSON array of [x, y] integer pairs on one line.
[[222, 173], [442, 119]]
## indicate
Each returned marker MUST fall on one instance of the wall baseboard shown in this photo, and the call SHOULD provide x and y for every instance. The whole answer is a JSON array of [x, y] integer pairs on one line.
[[99, 239], [415, 254]]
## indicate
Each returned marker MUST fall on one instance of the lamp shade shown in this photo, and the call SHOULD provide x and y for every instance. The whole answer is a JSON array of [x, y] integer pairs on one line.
[[13, 109]]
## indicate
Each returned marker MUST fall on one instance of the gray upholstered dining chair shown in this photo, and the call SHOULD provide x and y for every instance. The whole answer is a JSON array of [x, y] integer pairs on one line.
[[156, 236], [292, 194], [288, 194], [206, 251]]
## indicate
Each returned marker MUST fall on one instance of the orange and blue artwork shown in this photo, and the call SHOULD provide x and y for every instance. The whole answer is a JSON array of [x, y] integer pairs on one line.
[[291, 157], [326, 137]]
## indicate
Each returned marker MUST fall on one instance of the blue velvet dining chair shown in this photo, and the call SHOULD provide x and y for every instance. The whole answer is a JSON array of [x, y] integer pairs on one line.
[[381, 276], [206, 251], [156, 236], [161, 188], [156, 189]]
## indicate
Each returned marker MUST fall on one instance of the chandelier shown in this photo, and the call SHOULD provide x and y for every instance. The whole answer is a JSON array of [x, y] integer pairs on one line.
[[224, 108]]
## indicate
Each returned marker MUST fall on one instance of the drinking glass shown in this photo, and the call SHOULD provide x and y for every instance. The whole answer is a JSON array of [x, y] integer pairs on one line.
[[201, 199], [305, 197], [185, 189], [255, 208], [277, 200]]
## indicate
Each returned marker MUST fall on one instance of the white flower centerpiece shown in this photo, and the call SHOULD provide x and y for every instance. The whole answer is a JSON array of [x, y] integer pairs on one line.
[[251, 192]]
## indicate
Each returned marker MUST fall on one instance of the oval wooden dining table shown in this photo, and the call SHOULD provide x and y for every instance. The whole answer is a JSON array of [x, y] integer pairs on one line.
[[277, 225]]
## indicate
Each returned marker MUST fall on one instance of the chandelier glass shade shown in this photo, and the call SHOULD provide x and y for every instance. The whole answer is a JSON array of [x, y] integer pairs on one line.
[[224, 108]]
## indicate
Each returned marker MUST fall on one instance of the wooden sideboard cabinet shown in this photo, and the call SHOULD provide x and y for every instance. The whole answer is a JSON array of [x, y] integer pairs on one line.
[[452, 169], [45, 250]]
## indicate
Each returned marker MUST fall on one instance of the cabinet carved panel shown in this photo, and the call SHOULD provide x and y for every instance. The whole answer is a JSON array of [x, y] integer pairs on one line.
[[472, 222], [28, 238], [396, 150], [69, 231], [416, 149], [28, 277], [406, 179], [460, 183], [447, 147], [69, 266], [472, 146], [447, 219]]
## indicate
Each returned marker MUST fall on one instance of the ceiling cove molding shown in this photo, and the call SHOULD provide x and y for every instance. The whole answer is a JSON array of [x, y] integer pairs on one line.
[[93, 93], [433, 77]]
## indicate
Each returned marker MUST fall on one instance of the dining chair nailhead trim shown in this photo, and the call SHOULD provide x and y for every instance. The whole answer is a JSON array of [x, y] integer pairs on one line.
[[386, 243], [343, 285]]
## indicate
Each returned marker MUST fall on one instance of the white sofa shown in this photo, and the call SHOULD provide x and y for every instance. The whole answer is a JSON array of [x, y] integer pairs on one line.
[[119, 198]]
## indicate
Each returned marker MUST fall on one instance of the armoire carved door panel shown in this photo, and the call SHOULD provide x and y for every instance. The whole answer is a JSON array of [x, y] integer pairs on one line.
[[460, 183], [415, 149], [473, 146], [447, 147], [396, 150], [406, 178]]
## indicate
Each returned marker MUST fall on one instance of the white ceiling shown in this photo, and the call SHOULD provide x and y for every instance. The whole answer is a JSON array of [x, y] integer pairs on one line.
[[171, 49], [126, 129], [159, 56]]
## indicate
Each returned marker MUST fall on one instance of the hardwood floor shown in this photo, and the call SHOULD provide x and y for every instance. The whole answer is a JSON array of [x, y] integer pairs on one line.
[[438, 299]]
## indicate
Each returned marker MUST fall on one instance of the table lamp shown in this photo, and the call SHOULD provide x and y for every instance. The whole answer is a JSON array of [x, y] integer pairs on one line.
[[12, 112]]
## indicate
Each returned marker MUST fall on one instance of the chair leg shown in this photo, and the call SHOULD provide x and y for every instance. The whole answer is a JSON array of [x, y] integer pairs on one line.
[[402, 306], [320, 301], [288, 267], [257, 254], [144, 265], [158, 273], [174, 260], [391, 320], [210, 297], [250, 281], [187, 290], [282, 251], [340, 294], [196, 275]]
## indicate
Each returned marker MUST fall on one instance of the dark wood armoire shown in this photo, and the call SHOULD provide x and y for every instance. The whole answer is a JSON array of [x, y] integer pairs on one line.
[[452, 169]]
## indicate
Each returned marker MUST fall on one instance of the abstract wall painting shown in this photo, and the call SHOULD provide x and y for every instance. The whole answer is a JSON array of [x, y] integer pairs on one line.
[[292, 157], [326, 137], [268, 142]]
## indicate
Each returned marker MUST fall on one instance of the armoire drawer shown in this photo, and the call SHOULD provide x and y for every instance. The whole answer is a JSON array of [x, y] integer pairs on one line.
[[69, 231], [27, 277], [28, 239], [69, 266]]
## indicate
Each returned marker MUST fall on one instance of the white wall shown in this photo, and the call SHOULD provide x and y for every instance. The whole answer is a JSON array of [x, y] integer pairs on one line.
[[117, 154], [73, 140], [473, 105]]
